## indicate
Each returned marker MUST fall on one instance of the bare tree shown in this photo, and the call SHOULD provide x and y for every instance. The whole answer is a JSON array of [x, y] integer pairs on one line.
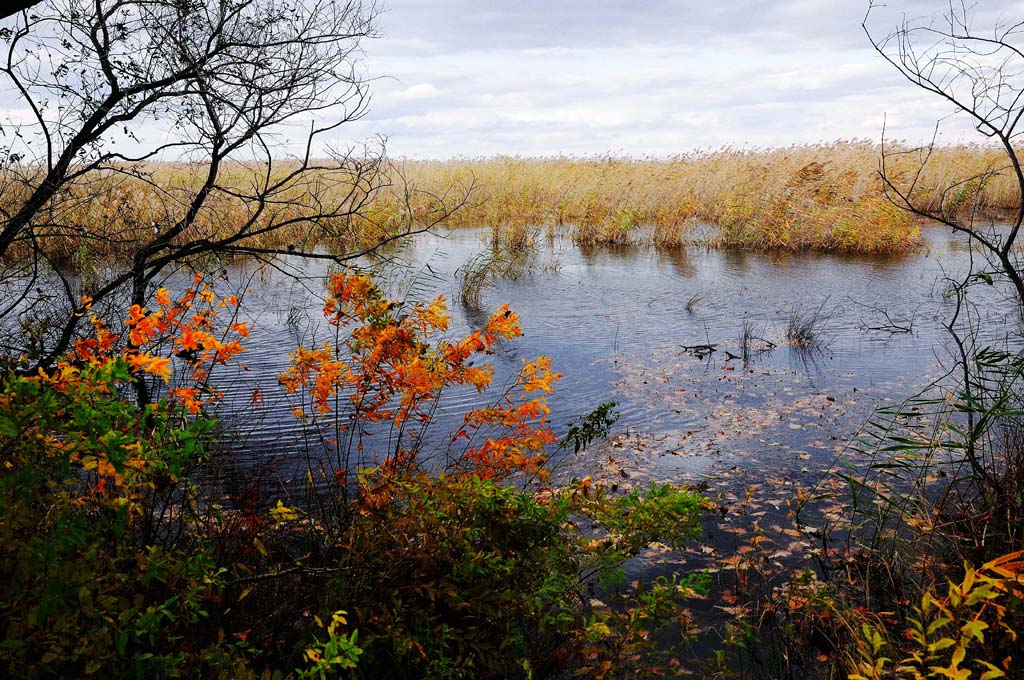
[[15, 6], [981, 75], [219, 84]]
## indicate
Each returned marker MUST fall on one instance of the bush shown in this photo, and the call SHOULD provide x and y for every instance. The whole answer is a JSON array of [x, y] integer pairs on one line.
[[458, 577], [463, 577], [92, 582], [953, 635], [120, 558]]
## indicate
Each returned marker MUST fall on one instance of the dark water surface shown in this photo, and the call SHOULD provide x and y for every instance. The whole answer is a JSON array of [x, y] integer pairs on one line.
[[616, 322], [752, 430]]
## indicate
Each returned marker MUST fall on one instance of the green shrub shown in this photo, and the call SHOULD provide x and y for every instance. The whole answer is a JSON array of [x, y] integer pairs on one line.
[[115, 561], [90, 583], [464, 577]]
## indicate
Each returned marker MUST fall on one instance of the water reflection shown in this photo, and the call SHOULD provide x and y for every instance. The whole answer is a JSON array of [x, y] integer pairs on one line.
[[679, 259], [615, 321], [736, 261]]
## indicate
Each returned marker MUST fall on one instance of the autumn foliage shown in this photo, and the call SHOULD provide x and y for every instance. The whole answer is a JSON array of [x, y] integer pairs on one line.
[[185, 329], [123, 554], [388, 373]]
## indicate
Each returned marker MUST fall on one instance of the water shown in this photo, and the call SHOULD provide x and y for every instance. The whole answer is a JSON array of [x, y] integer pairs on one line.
[[751, 429], [616, 321]]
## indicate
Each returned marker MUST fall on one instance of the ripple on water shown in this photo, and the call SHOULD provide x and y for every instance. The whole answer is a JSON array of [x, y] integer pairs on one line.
[[616, 323]]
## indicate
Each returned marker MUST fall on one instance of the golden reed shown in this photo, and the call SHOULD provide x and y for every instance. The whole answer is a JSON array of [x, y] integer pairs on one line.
[[826, 197]]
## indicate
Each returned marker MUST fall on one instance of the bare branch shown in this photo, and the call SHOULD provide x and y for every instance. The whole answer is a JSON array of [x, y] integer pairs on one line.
[[982, 77], [223, 79]]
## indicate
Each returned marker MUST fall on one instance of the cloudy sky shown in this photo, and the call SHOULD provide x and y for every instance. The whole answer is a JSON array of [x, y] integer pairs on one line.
[[634, 78], [640, 77]]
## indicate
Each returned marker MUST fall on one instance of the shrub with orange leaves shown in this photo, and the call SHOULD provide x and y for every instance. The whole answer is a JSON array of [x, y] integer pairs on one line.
[[447, 569], [97, 495], [91, 487], [183, 332], [389, 369]]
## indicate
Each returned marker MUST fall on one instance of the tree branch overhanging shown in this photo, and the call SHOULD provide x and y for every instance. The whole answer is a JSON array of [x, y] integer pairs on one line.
[[226, 81], [981, 76]]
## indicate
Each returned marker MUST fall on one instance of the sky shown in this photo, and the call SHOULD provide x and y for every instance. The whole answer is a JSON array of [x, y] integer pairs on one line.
[[634, 78], [641, 77]]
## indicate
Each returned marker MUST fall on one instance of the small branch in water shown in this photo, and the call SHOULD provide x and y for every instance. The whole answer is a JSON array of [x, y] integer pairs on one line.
[[893, 326], [701, 350]]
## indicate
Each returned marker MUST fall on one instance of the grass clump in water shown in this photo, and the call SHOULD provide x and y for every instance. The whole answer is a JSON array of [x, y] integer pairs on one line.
[[807, 329]]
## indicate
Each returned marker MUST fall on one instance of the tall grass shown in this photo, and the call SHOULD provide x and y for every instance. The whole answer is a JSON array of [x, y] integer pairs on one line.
[[825, 197], [114, 213]]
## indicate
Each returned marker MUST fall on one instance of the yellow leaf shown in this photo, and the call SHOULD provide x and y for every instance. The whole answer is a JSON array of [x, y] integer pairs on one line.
[[944, 643], [992, 672], [974, 628], [968, 579], [280, 513], [958, 657]]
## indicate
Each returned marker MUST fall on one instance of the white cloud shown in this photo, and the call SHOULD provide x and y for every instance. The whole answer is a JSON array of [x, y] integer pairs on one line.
[[477, 77], [668, 77], [418, 91]]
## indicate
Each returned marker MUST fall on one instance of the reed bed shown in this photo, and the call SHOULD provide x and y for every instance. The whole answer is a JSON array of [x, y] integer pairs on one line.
[[825, 197], [114, 213]]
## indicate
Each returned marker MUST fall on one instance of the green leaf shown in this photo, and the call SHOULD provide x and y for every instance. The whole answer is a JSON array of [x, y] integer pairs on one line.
[[936, 624], [974, 628], [941, 644]]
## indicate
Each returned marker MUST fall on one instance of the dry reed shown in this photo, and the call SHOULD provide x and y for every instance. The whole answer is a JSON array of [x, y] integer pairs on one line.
[[823, 197]]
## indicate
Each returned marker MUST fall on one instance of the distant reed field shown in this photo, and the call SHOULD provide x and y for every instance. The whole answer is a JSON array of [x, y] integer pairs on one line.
[[826, 197], [823, 197]]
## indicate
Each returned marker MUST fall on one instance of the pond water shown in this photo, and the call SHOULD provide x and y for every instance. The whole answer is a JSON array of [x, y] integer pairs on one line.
[[751, 428], [617, 323]]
